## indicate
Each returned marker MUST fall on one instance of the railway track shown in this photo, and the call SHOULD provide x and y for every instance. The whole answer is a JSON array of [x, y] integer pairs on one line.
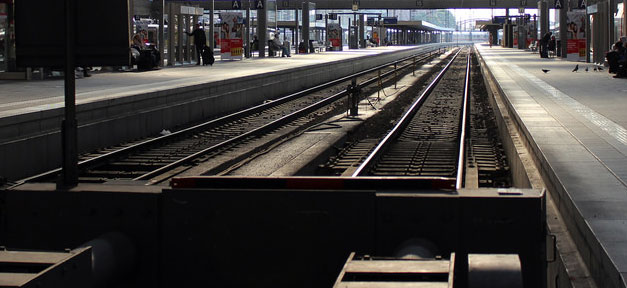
[[432, 140], [156, 160], [428, 141]]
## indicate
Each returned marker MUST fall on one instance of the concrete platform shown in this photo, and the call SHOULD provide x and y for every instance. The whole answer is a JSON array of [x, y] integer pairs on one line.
[[116, 107], [574, 123]]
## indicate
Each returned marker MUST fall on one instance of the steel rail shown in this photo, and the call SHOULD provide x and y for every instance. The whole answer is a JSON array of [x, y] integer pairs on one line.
[[181, 134], [402, 123], [285, 119], [257, 131], [462, 133], [279, 122], [105, 158]]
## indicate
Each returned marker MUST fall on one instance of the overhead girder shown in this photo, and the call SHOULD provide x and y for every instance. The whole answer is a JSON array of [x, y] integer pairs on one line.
[[389, 4]]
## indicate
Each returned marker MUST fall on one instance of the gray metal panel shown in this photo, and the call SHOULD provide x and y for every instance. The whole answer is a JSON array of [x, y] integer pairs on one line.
[[104, 42]]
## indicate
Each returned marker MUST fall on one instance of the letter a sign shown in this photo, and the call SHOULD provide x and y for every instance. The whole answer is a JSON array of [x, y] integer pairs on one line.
[[236, 4], [558, 4], [259, 4], [582, 4]]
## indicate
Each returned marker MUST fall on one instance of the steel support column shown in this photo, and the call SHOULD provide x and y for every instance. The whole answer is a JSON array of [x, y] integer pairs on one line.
[[543, 11], [588, 38], [362, 31], [611, 28], [161, 40], [563, 48], [296, 29], [211, 28], [189, 26], [624, 18], [171, 21], [69, 129], [262, 30], [249, 22], [306, 25], [179, 32]]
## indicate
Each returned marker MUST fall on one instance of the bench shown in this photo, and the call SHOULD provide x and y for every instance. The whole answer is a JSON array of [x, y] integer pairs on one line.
[[534, 47], [273, 49], [314, 46]]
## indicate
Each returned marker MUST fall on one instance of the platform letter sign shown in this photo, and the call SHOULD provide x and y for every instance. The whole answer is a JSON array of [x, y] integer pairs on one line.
[[582, 4], [236, 4], [558, 4], [259, 4]]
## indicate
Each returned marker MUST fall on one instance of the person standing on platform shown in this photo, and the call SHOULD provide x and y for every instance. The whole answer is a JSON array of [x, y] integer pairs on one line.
[[255, 44], [200, 41], [544, 45], [552, 46]]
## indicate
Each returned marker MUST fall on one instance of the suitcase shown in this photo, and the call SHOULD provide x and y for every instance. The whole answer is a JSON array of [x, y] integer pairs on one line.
[[148, 59], [207, 56], [145, 60]]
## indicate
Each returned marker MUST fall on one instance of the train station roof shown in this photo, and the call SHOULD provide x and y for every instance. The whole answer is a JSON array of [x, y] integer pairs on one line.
[[386, 4], [415, 25], [419, 25]]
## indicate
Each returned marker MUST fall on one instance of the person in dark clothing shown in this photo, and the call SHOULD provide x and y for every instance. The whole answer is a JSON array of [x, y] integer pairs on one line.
[[551, 45], [255, 44], [617, 58], [200, 41], [544, 45]]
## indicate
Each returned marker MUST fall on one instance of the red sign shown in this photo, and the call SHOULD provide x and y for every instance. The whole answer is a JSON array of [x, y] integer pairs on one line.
[[576, 46], [232, 46]]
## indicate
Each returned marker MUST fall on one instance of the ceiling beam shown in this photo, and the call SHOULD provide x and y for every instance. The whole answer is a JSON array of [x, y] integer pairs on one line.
[[393, 4]]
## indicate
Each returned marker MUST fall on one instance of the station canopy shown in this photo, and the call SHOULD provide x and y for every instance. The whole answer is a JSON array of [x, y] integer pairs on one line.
[[418, 25], [387, 4]]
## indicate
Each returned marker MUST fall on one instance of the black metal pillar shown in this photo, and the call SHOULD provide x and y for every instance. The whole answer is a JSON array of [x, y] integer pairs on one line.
[[69, 174], [11, 64], [211, 28], [362, 31], [562, 49], [353, 95], [262, 29], [306, 25], [249, 22], [543, 10], [296, 30], [161, 32]]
